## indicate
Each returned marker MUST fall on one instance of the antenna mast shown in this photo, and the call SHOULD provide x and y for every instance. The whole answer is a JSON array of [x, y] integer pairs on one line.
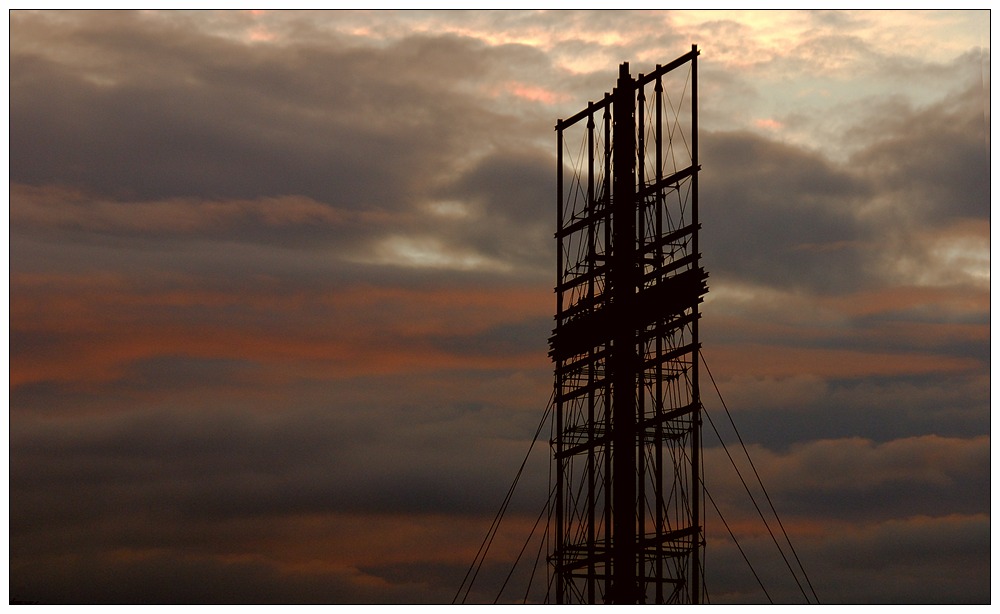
[[627, 447]]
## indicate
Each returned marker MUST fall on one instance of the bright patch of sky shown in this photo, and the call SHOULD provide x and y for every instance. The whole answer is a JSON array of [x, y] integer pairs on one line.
[[800, 76], [430, 253]]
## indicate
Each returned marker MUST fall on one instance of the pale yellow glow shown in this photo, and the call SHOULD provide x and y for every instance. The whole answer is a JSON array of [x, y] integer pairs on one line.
[[536, 94], [430, 253], [963, 257], [955, 255], [261, 34], [768, 123], [451, 209]]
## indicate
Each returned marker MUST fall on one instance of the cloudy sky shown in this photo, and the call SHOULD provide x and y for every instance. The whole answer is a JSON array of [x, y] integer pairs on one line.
[[281, 284]]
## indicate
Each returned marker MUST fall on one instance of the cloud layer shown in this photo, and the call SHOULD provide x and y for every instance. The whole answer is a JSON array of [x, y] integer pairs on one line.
[[280, 289]]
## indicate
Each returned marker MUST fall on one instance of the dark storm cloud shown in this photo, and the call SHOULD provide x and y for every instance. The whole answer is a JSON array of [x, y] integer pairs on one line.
[[788, 217], [153, 119], [170, 579], [510, 194], [780, 411], [919, 547], [138, 478], [860, 480], [779, 215], [176, 488], [240, 131], [510, 184], [892, 562], [166, 135], [934, 162], [226, 465], [869, 515], [254, 122]]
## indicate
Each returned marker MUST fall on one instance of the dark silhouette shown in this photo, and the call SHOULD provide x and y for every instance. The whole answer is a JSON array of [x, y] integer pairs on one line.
[[627, 498]]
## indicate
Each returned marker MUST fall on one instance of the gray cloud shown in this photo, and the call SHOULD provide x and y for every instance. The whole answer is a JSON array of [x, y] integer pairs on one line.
[[169, 177], [160, 578], [893, 562], [933, 161], [785, 216], [780, 215], [862, 480], [285, 145], [225, 455], [191, 114], [220, 137], [779, 412]]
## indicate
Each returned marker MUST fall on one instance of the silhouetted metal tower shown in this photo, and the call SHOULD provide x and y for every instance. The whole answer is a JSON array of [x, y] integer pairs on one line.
[[627, 436]]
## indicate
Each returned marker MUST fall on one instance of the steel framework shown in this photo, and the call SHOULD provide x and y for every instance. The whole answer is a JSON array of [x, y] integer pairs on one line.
[[626, 506]]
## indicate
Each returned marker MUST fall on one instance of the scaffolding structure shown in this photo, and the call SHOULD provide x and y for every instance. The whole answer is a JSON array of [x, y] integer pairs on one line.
[[626, 503]]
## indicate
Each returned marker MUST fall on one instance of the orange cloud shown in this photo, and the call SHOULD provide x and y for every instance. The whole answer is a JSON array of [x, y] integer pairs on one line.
[[97, 326], [534, 93], [770, 124], [900, 298], [55, 207]]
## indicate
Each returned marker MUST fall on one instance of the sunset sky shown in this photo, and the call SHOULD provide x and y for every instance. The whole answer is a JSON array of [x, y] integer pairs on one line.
[[281, 287]]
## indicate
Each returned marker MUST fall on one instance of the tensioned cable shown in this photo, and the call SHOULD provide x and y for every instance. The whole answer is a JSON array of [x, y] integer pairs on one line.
[[736, 541], [763, 489], [757, 507], [704, 488], [538, 555], [480, 558], [527, 541]]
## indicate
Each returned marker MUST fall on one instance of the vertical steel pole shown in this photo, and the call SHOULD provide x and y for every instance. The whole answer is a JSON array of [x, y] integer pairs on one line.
[[607, 378], [696, 426], [607, 334], [591, 265], [623, 286], [658, 402], [560, 543], [640, 375]]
